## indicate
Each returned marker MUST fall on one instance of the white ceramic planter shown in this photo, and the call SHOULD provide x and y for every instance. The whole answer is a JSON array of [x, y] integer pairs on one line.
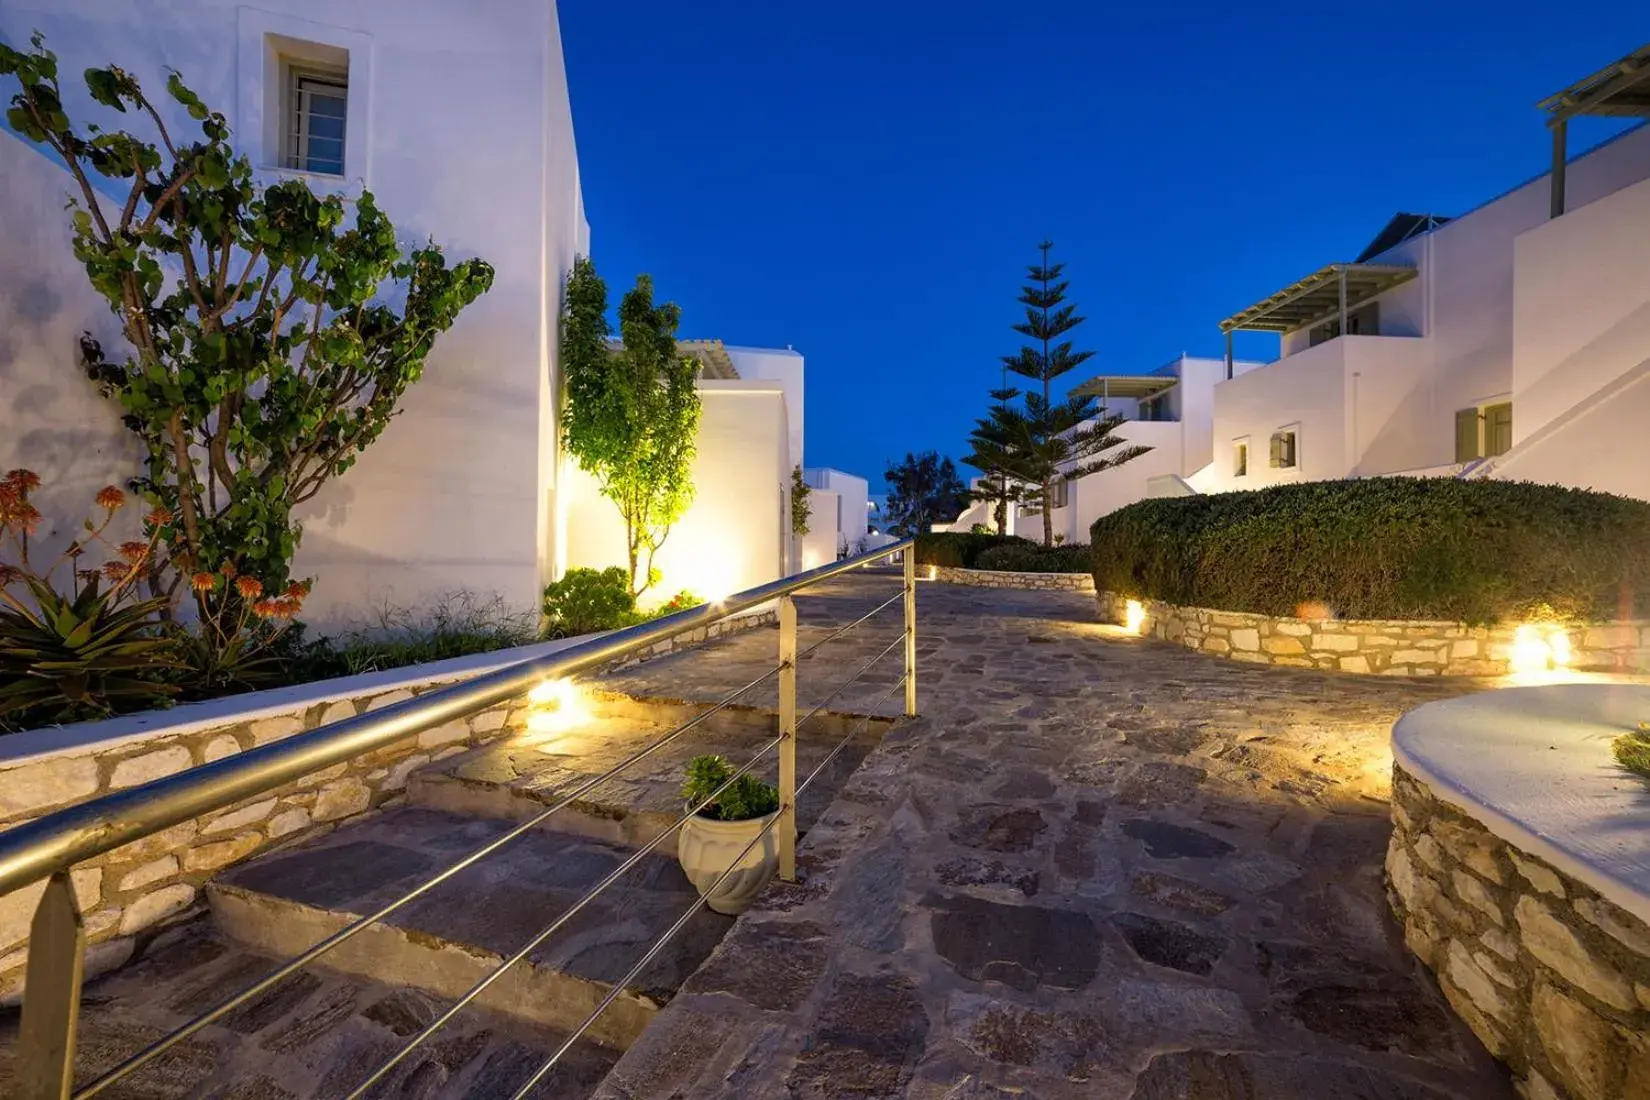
[[706, 848]]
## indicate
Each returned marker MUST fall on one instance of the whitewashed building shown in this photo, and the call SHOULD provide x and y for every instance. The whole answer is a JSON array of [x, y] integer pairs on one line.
[[839, 515], [1511, 341], [456, 117]]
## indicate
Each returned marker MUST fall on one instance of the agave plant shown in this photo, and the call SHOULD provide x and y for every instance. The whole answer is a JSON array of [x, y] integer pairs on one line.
[[79, 655], [94, 649]]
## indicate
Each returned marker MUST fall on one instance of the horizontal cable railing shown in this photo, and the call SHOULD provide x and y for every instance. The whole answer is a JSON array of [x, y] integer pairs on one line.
[[51, 845]]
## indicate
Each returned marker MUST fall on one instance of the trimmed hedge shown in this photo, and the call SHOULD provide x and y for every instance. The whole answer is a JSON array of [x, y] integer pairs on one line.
[[960, 549], [1386, 548], [1017, 558]]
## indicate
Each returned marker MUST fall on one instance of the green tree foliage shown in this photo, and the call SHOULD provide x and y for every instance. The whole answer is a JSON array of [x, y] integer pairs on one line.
[[632, 415], [993, 454], [800, 490], [922, 490], [260, 358], [1045, 440]]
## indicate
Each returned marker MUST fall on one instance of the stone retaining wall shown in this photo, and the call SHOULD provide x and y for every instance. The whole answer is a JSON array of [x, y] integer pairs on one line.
[[134, 890], [1551, 976], [1390, 647], [994, 578]]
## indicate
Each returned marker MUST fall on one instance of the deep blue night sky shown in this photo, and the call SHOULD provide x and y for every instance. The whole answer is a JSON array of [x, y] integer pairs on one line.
[[866, 179]]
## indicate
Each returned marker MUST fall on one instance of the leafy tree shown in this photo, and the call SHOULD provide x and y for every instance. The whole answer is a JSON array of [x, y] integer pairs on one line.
[[799, 502], [632, 415], [1047, 440], [922, 490], [260, 358]]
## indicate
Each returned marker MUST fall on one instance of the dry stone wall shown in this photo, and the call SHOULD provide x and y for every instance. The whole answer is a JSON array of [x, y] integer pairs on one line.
[[1553, 977], [993, 578], [135, 890], [1390, 647]]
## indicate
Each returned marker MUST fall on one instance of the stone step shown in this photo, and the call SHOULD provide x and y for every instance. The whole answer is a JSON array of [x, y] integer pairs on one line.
[[318, 1034], [516, 778], [447, 940]]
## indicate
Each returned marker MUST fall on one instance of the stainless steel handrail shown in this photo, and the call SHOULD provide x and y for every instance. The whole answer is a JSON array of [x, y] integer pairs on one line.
[[59, 840], [51, 845]]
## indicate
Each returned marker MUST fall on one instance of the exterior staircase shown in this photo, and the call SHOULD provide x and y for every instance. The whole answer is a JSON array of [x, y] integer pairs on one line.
[[324, 1030]]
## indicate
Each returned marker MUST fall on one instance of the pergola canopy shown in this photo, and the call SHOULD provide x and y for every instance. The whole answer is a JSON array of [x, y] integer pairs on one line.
[[1137, 386], [1621, 90], [1319, 297]]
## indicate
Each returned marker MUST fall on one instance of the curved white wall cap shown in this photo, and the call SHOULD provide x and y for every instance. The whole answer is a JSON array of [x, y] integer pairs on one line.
[[1534, 766]]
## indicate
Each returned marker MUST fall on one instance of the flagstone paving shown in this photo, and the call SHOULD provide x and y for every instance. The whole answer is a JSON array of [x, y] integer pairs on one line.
[[1095, 867]]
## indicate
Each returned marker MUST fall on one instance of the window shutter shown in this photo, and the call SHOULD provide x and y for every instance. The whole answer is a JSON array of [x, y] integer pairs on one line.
[[1498, 428], [1276, 456], [1466, 435]]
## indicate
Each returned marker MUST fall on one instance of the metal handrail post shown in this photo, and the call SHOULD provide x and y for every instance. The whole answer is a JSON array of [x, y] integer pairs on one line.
[[910, 632], [787, 735], [51, 1005]]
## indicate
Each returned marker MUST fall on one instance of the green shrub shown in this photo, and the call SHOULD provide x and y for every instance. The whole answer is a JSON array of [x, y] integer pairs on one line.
[[587, 600], [1633, 750], [1016, 558], [1386, 548], [958, 549], [747, 798]]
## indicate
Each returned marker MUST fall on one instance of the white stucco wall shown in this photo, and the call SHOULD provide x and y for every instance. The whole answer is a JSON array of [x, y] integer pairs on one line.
[[52, 419], [1393, 407], [1093, 496], [454, 494], [736, 533], [819, 545], [854, 492], [1581, 364], [784, 366]]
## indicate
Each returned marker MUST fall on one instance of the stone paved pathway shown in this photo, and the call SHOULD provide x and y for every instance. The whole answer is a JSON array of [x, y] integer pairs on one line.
[[1096, 867]]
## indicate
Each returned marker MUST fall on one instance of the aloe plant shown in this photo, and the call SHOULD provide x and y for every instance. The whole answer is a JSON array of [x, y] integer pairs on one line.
[[82, 654], [88, 651]]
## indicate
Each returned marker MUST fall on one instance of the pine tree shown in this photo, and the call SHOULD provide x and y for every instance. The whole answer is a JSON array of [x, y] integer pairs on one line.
[[993, 444], [1049, 440]]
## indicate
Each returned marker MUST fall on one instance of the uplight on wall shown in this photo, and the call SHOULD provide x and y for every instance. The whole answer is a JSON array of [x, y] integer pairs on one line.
[[711, 572], [1538, 647], [1134, 617]]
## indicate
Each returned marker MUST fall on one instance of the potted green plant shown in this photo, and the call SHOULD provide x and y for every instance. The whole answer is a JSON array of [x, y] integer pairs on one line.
[[713, 839]]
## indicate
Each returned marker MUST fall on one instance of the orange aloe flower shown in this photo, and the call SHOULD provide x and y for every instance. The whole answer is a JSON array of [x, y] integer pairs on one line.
[[249, 588], [203, 582], [110, 498]]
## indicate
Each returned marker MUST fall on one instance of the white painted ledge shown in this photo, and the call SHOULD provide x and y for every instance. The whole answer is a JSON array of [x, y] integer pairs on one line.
[[1535, 767]]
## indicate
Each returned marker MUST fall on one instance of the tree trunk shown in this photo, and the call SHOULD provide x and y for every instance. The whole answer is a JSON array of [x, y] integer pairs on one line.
[[1048, 513]]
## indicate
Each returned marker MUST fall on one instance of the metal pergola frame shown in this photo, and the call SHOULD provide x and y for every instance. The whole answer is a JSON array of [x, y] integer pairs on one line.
[[1330, 292], [1621, 90]]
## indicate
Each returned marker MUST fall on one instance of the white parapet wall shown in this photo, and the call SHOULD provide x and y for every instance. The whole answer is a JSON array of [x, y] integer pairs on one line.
[[1519, 879]]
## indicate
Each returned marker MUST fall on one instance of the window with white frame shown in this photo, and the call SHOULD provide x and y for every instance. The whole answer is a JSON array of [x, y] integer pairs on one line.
[[1283, 449], [1062, 491], [315, 115], [1240, 458]]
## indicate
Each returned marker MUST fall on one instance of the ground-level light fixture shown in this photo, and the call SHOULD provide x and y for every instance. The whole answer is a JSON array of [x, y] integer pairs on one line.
[[1134, 617]]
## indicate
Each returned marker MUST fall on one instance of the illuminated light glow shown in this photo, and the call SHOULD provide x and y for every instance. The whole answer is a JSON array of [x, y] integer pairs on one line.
[[933, 572], [557, 706], [1134, 617], [711, 572], [1537, 649]]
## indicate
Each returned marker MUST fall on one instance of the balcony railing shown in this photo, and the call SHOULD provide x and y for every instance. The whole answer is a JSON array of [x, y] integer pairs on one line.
[[49, 847]]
